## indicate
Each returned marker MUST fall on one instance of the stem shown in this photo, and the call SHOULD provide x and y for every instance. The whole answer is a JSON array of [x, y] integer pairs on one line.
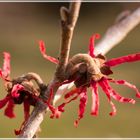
[[68, 22]]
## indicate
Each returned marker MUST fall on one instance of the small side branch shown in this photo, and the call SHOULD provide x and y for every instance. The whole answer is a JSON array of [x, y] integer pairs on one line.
[[118, 32], [68, 21]]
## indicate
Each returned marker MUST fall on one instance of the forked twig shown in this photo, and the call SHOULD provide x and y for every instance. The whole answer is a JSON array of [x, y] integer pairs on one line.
[[68, 21]]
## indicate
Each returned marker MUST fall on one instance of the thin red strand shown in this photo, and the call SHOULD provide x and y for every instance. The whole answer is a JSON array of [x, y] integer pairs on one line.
[[82, 106], [104, 87], [71, 93], [117, 61], [15, 90], [123, 82], [61, 107], [43, 52], [55, 112], [117, 96], [92, 44], [95, 99], [9, 111], [4, 101]]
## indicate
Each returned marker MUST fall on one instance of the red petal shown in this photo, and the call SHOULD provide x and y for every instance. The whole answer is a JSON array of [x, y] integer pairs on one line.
[[113, 113], [26, 109], [123, 59], [71, 93], [17, 132], [76, 122], [43, 51], [123, 82], [82, 106], [95, 99], [76, 91], [51, 96], [9, 111], [16, 88], [4, 101], [52, 109], [6, 64], [92, 43], [116, 95], [104, 87], [61, 107], [0, 73], [55, 112]]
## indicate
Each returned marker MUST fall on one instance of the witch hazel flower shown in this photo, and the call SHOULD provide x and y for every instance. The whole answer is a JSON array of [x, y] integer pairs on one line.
[[17, 93], [8, 100], [92, 71]]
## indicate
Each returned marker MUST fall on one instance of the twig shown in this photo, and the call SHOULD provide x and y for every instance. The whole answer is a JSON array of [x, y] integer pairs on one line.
[[68, 20], [118, 32]]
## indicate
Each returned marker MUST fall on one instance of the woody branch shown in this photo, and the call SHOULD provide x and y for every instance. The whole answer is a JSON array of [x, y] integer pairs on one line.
[[116, 33], [68, 22]]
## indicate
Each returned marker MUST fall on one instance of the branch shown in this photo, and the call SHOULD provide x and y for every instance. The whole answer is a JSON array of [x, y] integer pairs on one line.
[[118, 32], [68, 22]]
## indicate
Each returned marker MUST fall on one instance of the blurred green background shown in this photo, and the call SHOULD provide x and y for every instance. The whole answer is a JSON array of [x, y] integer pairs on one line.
[[23, 24]]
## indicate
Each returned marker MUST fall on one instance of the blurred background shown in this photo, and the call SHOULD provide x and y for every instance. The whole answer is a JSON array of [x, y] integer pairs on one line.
[[23, 24]]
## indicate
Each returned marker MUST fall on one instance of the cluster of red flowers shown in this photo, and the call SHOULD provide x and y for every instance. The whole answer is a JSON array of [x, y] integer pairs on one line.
[[17, 94], [94, 80], [85, 70]]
